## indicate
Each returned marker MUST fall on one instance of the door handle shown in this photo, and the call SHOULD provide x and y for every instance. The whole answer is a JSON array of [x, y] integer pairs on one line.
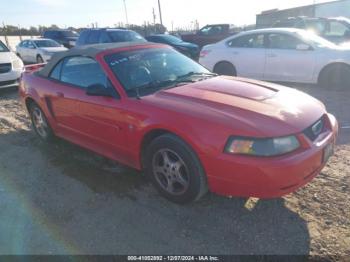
[[235, 53], [60, 94], [272, 55]]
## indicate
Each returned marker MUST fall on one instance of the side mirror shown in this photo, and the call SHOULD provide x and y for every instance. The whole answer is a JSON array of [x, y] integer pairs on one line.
[[98, 90], [303, 47]]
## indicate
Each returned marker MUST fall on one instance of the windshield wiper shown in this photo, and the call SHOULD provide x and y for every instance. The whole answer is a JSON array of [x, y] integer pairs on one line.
[[196, 74], [159, 85], [167, 84]]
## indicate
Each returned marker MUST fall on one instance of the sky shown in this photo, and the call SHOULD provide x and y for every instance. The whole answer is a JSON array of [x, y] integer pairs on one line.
[[176, 13]]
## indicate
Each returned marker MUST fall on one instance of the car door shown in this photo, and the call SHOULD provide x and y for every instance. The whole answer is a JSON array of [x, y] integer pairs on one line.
[[95, 122], [31, 51], [289, 59], [248, 54], [21, 50]]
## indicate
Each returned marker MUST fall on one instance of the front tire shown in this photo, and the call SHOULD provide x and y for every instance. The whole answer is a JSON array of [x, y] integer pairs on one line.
[[40, 124], [175, 170], [39, 59], [335, 76], [225, 68]]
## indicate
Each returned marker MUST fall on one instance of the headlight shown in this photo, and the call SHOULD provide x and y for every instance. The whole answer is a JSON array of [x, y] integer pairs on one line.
[[72, 43], [261, 146], [17, 64]]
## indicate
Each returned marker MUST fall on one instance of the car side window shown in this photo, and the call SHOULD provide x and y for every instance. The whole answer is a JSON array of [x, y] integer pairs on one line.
[[82, 38], [283, 41], [93, 37], [336, 29], [82, 72], [248, 41], [24, 44], [30, 44], [56, 72], [104, 38], [211, 30]]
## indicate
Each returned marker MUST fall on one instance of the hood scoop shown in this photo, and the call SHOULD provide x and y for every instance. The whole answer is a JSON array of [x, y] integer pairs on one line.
[[239, 87]]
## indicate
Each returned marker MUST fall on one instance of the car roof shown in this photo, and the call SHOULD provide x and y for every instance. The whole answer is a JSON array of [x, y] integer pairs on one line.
[[41, 39], [274, 30], [161, 35], [89, 51], [54, 30], [108, 29]]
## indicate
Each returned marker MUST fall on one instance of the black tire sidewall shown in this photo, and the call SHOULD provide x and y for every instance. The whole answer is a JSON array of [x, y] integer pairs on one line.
[[225, 68], [39, 57], [325, 80], [196, 173]]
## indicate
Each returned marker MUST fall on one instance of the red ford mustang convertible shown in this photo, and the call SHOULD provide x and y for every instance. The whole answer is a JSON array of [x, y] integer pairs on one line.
[[151, 108]]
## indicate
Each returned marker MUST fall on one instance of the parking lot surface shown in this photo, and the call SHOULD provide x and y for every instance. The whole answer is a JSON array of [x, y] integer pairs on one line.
[[61, 199]]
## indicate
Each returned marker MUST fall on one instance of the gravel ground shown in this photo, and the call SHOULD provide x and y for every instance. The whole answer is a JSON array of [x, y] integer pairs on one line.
[[61, 199]]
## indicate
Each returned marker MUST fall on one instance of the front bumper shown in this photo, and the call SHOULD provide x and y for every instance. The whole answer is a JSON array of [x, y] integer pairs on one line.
[[269, 177], [10, 79]]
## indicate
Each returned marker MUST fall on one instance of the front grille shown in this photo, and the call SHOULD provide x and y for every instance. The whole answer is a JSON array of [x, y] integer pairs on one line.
[[5, 68], [7, 83], [315, 129]]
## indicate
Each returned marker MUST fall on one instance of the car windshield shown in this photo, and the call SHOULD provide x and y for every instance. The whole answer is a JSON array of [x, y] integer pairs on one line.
[[316, 40], [46, 43], [125, 36], [69, 34], [3, 47], [145, 71], [171, 39]]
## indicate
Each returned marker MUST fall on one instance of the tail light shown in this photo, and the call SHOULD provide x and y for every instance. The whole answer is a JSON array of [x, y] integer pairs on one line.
[[204, 53]]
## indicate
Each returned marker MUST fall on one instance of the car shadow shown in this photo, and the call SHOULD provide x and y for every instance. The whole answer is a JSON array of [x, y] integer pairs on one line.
[[100, 207]]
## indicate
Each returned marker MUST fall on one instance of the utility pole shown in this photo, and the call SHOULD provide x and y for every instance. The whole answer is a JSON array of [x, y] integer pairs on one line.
[[154, 16], [160, 13], [126, 15]]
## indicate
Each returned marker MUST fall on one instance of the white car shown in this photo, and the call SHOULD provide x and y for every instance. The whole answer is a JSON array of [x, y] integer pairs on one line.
[[281, 55], [11, 67], [38, 50]]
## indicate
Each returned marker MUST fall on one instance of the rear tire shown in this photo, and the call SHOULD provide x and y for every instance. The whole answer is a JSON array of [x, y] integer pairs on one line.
[[225, 68], [39, 59], [40, 124], [175, 170], [335, 76]]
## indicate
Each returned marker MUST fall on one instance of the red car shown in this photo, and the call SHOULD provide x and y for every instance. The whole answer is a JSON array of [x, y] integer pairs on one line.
[[151, 108]]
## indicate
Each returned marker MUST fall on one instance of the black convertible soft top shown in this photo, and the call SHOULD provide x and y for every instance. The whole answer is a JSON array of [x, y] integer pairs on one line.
[[88, 50]]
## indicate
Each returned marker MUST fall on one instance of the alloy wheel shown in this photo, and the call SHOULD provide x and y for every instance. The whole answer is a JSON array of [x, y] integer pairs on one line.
[[170, 172]]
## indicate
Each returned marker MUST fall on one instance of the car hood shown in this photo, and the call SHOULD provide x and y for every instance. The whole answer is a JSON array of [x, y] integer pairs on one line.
[[54, 49], [187, 45], [7, 57], [263, 109]]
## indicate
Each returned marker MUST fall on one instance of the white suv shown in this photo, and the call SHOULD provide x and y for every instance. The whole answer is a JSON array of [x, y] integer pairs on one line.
[[11, 67]]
